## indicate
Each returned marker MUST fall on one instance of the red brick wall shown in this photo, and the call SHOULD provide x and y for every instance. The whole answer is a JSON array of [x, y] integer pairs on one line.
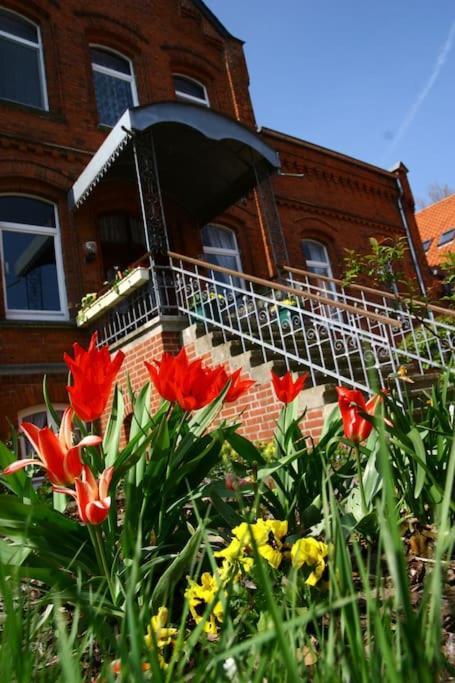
[[257, 410]]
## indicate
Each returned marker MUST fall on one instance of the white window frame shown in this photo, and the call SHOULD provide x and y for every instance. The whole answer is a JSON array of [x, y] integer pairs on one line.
[[18, 314], [130, 78], [191, 98], [318, 264], [220, 251], [29, 43]]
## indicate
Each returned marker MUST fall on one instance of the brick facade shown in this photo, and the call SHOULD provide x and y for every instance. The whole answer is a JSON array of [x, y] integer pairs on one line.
[[340, 201]]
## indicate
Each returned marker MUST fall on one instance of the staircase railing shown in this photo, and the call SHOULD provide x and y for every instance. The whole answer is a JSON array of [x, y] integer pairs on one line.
[[328, 337], [425, 336]]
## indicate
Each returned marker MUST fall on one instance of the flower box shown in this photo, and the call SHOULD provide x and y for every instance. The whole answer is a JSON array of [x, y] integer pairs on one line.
[[113, 296]]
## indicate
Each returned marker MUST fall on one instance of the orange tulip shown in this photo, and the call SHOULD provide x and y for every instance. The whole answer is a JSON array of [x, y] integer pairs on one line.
[[185, 382], [285, 388], [352, 406], [57, 455], [93, 374], [238, 386], [93, 501]]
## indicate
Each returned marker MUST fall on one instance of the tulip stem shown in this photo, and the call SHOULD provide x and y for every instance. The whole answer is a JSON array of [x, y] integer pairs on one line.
[[363, 499], [97, 541]]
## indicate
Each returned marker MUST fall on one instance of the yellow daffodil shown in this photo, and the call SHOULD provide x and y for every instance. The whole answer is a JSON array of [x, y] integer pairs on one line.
[[267, 535], [234, 561], [163, 635], [311, 553], [201, 595]]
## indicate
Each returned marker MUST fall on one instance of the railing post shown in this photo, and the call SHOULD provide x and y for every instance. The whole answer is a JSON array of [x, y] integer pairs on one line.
[[153, 216]]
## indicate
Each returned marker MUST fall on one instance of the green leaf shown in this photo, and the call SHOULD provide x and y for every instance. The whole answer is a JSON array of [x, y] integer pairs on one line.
[[172, 575], [421, 461], [114, 427]]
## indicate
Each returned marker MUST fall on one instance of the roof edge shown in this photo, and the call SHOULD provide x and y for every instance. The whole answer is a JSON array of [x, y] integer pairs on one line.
[[210, 16], [338, 155], [430, 206]]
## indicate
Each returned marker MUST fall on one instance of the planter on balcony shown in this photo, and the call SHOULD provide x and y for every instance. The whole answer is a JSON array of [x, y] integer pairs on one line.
[[113, 296]]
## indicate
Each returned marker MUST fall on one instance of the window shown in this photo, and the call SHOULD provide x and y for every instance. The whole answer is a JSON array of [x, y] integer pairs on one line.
[[318, 262], [446, 237], [31, 259], [189, 90], [40, 417], [317, 258], [21, 61], [426, 245], [220, 248], [122, 239], [115, 87]]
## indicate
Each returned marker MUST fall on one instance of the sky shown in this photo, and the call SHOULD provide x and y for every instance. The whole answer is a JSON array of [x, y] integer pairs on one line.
[[374, 79]]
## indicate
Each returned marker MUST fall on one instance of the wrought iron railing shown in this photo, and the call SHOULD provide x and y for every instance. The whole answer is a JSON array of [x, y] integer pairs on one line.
[[356, 336], [425, 335], [331, 339], [155, 297]]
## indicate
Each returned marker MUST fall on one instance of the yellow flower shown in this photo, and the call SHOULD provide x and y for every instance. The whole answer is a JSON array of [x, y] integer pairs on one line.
[[162, 635], [312, 553], [201, 595], [267, 534], [234, 558]]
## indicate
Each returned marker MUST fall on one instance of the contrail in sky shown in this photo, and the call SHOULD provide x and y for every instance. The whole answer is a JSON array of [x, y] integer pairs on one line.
[[411, 114]]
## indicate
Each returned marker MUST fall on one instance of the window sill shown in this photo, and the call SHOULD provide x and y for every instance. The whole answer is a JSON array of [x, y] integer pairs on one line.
[[36, 111], [48, 324]]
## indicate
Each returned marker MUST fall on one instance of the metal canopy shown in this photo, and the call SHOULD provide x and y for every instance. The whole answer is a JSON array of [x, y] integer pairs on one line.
[[206, 162]]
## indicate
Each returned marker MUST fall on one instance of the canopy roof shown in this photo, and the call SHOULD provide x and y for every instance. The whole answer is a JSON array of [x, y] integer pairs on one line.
[[206, 161]]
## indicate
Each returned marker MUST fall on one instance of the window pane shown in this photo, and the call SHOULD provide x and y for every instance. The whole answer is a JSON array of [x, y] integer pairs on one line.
[[189, 87], [314, 251], [20, 74], [226, 261], [17, 209], [14, 24], [110, 60], [446, 237], [113, 96], [220, 238], [30, 272]]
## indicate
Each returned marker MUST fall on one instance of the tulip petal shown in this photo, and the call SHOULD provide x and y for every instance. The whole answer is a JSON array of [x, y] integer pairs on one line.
[[52, 454], [90, 440], [105, 482], [65, 435], [20, 464], [72, 464], [97, 511], [31, 431]]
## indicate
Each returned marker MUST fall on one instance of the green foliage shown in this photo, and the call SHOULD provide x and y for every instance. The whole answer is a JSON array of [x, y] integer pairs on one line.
[[75, 598], [382, 266]]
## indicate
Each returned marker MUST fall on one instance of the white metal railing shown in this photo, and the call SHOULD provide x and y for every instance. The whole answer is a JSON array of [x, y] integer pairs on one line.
[[329, 338], [425, 336]]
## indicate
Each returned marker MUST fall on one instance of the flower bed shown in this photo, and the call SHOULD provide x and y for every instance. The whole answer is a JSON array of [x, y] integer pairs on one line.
[[191, 553], [97, 306]]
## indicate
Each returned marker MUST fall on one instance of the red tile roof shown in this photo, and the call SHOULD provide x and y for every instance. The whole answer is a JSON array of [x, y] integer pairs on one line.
[[432, 222]]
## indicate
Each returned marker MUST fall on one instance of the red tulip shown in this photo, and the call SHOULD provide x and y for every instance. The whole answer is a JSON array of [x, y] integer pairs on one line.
[[93, 502], [57, 455], [185, 382], [353, 406], [285, 388], [238, 386], [93, 374]]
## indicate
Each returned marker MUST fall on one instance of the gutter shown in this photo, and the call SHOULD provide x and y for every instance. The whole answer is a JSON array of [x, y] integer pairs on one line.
[[412, 249]]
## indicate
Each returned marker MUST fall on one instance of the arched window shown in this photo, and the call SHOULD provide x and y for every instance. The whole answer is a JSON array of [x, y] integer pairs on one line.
[[115, 87], [189, 90], [317, 258], [220, 248], [122, 240], [32, 270], [21, 61]]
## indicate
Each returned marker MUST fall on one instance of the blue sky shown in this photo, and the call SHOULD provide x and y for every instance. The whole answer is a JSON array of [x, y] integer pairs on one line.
[[374, 79]]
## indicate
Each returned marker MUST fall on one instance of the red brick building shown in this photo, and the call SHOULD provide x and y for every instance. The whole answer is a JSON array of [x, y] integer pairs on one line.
[[185, 168]]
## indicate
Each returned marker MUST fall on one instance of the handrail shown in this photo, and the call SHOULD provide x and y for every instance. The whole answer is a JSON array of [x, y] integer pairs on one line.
[[288, 290], [370, 290]]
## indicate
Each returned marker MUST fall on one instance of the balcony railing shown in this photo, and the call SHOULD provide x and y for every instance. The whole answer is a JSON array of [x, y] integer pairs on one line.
[[359, 336]]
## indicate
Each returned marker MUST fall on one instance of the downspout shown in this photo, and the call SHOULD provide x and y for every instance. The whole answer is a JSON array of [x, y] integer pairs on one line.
[[412, 249]]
